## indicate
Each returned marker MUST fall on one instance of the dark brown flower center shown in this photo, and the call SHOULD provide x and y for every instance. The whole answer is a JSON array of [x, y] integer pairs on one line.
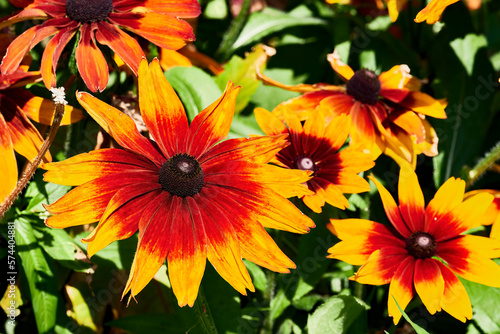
[[421, 245], [305, 163], [86, 11], [364, 86], [181, 175]]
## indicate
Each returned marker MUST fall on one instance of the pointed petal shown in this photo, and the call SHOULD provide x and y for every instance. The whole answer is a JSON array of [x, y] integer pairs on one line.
[[156, 223], [429, 284], [446, 199], [52, 52], [343, 70], [425, 104], [23, 15], [161, 109], [363, 132], [187, 255], [317, 201], [398, 78], [303, 106], [360, 238], [468, 257], [411, 123], [411, 199], [401, 288], [381, 266], [333, 195], [86, 204], [391, 209], [121, 218], [432, 12], [184, 9], [337, 131], [163, 30], [212, 123], [455, 299], [269, 122], [90, 61], [223, 250], [121, 127], [8, 171]]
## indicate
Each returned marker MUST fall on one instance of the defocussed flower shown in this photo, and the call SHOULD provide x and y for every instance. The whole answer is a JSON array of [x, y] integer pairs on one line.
[[190, 198], [98, 20], [424, 248], [17, 133], [387, 111], [372, 7], [433, 11], [493, 213], [314, 146]]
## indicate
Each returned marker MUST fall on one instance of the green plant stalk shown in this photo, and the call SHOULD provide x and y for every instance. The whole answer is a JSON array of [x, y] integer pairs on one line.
[[484, 164], [233, 31], [31, 169], [204, 314]]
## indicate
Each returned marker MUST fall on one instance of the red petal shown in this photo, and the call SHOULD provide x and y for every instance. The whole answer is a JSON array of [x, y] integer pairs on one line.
[[401, 288], [394, 95], [455, 300], [429, 284]]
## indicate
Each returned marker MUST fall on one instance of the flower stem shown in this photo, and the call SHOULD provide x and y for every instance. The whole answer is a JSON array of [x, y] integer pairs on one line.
[[484, 164], [31, 168], [205, 315], [224, 50]]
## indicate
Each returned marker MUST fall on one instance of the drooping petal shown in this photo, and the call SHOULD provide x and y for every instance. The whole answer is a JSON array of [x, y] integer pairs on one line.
[[468, 257], [344, 71], [163, 30], [363, 131], [432, 12], [212, 123], [401, 288], [398, 77], [184, 9], [161, 109], [360, 238], [90, 61], [411, 199], [121, 218], [394, 7], [25, 138], [269, 122], [125, 46], [303, 106], [25, 14], [120, 126], [317, 201], [429, 283], [429, 146], [85, 167], [425, 104], [411, 123], [156, 226], [87, 203], [391, 209], [8, 171], [333, 195], [455, 299], [187, 255]]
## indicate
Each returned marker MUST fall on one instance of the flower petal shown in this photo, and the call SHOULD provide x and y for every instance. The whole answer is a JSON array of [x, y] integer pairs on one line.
[[121, 127], [432, 12], [398, 78], [184, 9], [391, 209], [161, 109], [411, 199], [122, 215], [429, 283], [212, 123], [446, 199], [269, 122], [381, 266], [401, 288], [455, 299], [343, 70], [425, 104], [126, 47], [8, 172], [90, 61], [411, 123]]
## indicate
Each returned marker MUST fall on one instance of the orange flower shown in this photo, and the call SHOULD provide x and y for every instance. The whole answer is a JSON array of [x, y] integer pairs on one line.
[[315, 147], [424, 248], [17, 133], [190, 198], [155, 20], [368, 7], [387, 111], [493, 212], [432, 12]]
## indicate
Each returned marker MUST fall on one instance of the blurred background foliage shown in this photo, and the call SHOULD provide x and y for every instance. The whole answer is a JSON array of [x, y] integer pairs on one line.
[[61, 291]]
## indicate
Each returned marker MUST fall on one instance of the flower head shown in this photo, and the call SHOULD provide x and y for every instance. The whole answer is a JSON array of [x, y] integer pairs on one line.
[[190, 198], [315, 146], [98, 20], [424, 248], [387, 111]]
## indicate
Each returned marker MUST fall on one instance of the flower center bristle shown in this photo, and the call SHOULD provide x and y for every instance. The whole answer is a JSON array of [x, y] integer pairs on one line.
[[181, 175], [86, 11], [364, 86], [421, 245], [305, 163]]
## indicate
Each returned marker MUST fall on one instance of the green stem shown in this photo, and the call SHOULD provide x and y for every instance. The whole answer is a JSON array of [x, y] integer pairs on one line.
[[223, 52], [204, 314], [484, 164]]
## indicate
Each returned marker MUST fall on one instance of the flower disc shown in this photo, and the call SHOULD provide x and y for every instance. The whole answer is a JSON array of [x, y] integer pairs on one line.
[[86, 11], [364, 86], [181, 175], [421, 245]]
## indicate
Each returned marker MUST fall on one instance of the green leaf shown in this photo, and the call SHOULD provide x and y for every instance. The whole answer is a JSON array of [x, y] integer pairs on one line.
[[466, 49], [484, 299], [307, 303], [258, 276], [269, 21], [244, 126], [150, 323], [40, 192], [195, 88], [336, 315], [41, 282], [418, 329]]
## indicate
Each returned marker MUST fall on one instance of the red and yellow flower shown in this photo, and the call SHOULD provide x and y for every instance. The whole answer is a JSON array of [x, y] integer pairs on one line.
[[424, 248], [493, 213], [387, 111], [314, 146], [190, 198], [98, 20], [17, 133]]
